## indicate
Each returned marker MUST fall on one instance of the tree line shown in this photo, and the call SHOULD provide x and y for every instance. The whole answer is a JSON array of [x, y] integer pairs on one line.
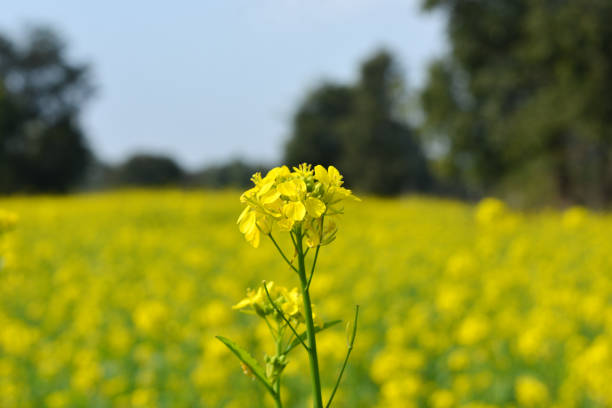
[[518, 107]]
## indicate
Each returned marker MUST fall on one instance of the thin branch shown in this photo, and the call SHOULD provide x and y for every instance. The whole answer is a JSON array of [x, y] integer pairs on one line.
[[293, 239], [282, 315], [314, 262], [282, 253], [270, 327], [348, 354]]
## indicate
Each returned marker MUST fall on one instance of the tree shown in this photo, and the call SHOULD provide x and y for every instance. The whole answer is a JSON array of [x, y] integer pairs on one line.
[[522, 101], [42, 147], [382, 154], [361, 128], [235, 173], [148, 170], [318, 126]]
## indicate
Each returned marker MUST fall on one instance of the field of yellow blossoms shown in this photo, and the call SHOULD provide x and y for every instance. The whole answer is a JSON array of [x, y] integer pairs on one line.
[[113, 300]]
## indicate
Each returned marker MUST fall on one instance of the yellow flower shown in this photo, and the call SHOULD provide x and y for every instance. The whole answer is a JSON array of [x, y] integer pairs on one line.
[[289, 301], [442, 399], [314, 207], [489, 210], [254, 298], [248, 225], [294, 211], [530, 392], [574, 217], [302, 201], [294, 189], [292, 303]]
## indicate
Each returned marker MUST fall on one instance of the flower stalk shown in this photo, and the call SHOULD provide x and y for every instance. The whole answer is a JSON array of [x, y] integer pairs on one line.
[[306, 203], [312, 341], [277, 383]]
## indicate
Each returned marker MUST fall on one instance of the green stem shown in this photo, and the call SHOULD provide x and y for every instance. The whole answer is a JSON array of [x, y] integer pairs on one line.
[[314, 262], [282, 253], [350, 344], [281, 314], [277, 384], [312, 344]]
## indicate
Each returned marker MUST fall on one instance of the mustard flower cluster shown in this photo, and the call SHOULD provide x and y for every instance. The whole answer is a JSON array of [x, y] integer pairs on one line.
[[467, 306], [306, 203], [286, 309], [304, 199], [290, 302]]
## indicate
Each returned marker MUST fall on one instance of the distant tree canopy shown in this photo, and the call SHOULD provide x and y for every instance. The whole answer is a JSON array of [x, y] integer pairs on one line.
[[235, 173], [360, 128], [147, 170], [319, 126], [42, 147], [522, 102]]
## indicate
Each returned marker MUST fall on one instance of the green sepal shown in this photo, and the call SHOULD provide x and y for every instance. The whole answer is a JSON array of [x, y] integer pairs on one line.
[[244, 356], [303, 336]]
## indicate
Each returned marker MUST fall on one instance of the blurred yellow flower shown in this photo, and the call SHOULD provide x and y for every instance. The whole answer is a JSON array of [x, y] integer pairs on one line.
[[288, 301], [489, 210], [8, 220], [531, 392], [442, 399], [574, 216], [472, 330], [141, 281]]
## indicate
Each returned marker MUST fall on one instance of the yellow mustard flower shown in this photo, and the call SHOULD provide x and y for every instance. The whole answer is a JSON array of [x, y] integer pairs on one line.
[[288, 301], [303, 199]]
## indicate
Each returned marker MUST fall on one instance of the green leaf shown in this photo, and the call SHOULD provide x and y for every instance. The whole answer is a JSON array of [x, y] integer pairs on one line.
[[244, 356], [303, 336]]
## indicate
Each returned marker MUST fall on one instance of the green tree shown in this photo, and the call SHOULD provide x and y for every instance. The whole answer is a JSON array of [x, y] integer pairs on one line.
[[235, 173], [42, 147], [362, 129], [521, 102], [318, 126], [382, 153], [148, 170]]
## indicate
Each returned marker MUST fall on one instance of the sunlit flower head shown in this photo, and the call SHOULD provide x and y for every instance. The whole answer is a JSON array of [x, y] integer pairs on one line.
[[303, 200]]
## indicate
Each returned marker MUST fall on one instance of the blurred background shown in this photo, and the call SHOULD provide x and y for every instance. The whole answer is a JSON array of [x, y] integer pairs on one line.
[[428, 108], [461, 98]]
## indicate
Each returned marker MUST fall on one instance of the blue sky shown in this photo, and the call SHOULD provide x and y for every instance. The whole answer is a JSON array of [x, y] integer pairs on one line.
[[210, 80]]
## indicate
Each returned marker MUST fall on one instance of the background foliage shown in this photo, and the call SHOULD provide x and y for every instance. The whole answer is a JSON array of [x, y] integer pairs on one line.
[[519, 107], [42, 147], [521, 101], [359, 128]]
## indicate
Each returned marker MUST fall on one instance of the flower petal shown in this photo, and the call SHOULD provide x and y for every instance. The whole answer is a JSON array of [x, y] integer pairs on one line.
[[248, 223], [314, 207], [294, 211], [321, 175]]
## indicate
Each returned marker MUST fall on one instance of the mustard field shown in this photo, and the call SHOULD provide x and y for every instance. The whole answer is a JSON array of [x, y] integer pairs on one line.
[[113, 300]]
